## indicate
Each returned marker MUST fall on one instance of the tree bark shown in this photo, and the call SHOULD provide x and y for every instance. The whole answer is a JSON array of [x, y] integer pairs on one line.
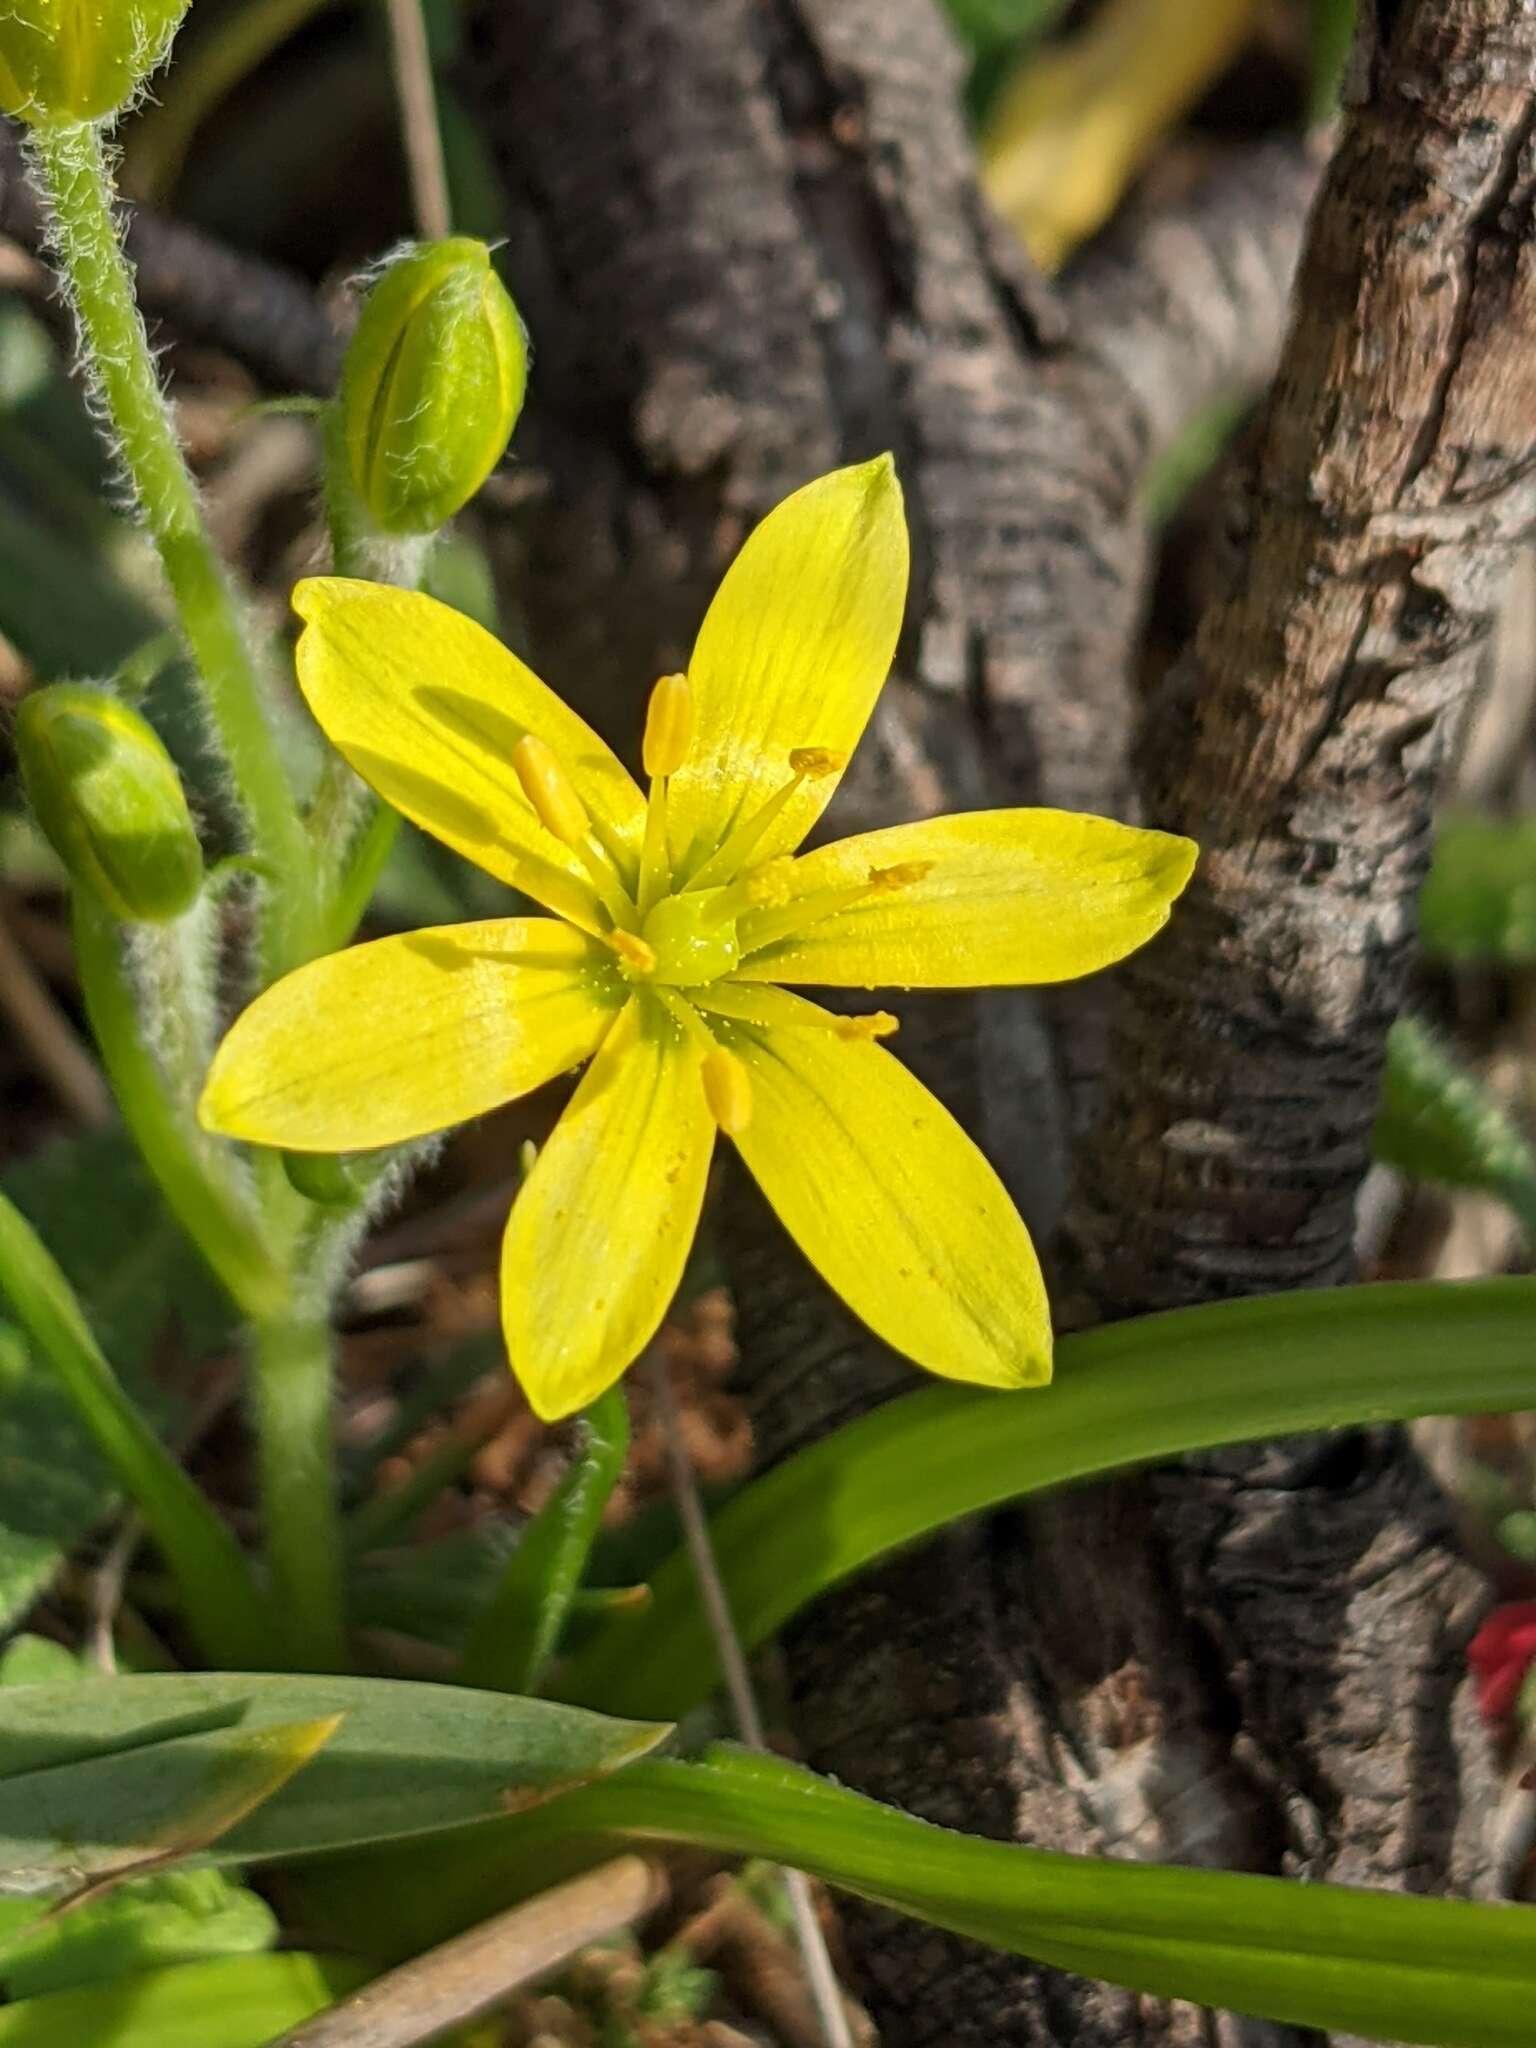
[[749, 244]]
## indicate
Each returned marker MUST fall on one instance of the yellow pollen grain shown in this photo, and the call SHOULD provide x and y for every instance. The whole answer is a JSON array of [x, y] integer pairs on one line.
[[668, 727], [727, 1090], [902, 876], [815, 763], [550, 790], [633, 952], [771, 886], [876, 1024]]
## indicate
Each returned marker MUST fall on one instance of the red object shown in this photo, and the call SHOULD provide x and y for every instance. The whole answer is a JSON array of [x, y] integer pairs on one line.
[[1500, 1654]]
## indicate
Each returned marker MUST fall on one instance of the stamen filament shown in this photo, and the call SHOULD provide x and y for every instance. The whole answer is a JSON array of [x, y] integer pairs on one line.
[[655, 859], [761, 888], [767, 927], [806, 764], [553, 798], [594, 857], [743, 1004], [726, 1081], [668, 734]]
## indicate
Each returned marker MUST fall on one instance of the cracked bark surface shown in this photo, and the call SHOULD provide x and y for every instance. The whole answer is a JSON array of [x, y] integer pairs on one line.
[[748, 239]]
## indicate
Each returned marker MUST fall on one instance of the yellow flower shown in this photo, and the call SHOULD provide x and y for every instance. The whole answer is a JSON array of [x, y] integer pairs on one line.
[[675, 915]]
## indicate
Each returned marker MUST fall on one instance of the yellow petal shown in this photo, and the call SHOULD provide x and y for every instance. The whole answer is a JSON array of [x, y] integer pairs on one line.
[[792, 654], [886, 1195], [407, 1035], [427, 706], [1010, 897], [600, 1234]]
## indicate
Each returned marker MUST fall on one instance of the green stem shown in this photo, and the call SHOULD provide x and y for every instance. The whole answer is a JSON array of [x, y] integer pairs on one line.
[[195, 1172], [218, 1592], [361, 876], [172, 967], [72, 171], [291, 1393]]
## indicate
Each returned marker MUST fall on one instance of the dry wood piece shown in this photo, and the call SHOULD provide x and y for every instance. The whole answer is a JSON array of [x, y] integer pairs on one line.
[[474, 1973]]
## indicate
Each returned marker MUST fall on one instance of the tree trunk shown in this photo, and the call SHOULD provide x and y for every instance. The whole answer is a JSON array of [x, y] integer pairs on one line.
[[749, 244]]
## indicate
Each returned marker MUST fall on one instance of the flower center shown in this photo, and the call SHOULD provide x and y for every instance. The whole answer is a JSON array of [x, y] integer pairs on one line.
[[692, 941]]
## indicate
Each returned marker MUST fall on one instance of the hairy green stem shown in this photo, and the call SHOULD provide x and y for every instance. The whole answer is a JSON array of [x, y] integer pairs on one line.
[[196, 1173], [172, 967], [71, 167], [219, 1596]]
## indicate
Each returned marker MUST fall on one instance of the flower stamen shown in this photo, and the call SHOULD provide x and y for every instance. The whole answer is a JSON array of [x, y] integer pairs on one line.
[[727, 1090], [806, 764], [558, 808], [669, 722], [766, 927], [872, 1025]]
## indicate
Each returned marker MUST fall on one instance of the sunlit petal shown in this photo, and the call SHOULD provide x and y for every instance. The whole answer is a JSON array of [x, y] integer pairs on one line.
[[598, 1238], [886, 1195], [407, 1035], [792, 654], [427, 706], [1010, 897]]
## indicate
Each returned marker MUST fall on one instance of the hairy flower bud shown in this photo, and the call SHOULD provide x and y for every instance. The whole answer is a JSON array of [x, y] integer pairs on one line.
[[108, 797], [80, 60], [432, 386]]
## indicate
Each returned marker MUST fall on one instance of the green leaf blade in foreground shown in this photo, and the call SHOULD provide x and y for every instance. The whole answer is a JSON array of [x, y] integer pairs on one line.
[[91, 1774], [1130, 1394], [1441, 1972], [242, 2002]]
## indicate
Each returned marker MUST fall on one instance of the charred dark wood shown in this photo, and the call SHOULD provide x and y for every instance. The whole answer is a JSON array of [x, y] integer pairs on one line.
[[749, 243]]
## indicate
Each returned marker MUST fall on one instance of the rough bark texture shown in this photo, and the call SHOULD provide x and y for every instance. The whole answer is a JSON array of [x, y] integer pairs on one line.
[[749, 242]]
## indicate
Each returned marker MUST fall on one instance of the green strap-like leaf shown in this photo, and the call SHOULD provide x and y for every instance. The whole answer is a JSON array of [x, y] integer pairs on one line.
[[1128, 1395], [515, 1636], [1390, 1967]]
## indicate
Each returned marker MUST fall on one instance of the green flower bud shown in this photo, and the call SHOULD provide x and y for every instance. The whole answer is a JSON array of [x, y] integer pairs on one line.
[[432, 387], [80, 60], [108, 797]]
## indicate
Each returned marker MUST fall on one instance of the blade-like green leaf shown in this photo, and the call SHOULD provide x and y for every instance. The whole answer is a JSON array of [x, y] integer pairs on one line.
[[90, 1773], [223, 1602], [520, 1628], [1381, 1964], [94, 1205], [239, 2002], [1127, 1395]]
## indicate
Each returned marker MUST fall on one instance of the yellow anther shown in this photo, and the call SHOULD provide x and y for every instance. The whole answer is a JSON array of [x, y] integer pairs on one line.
[[876, 1024], [727, 1090], [902, 876], [668, 727], [771, 885], [815, 763], [550, 790], [633, 951]]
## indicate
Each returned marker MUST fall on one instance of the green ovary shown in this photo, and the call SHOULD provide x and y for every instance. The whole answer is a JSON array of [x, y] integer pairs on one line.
[[692, 942]]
